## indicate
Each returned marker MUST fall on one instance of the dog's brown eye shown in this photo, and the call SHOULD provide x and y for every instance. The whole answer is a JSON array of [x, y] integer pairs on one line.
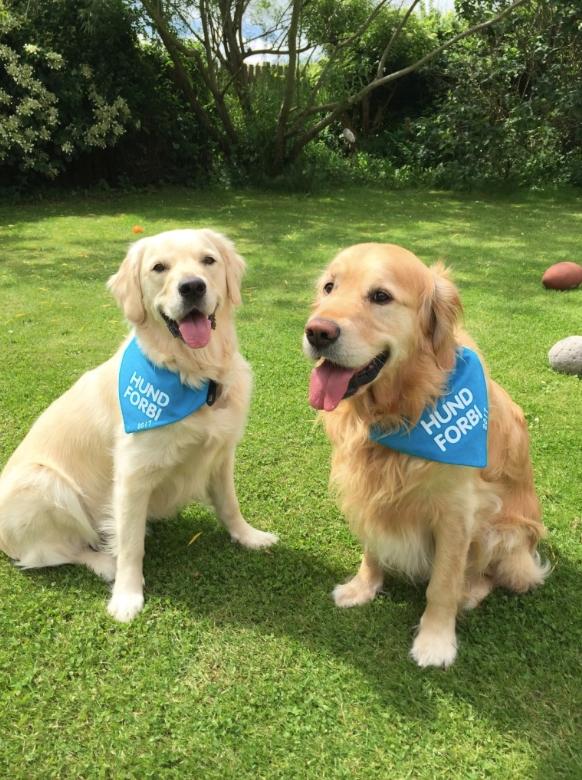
[[159, 268], [381, 296], [208, 260], [327, 288]]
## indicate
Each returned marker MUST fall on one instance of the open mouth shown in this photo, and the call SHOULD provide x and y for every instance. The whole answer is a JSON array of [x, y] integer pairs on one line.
[[194, 329], [331, 383]]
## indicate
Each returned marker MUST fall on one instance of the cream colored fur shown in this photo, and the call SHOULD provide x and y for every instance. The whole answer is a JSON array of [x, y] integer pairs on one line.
[[78, 489], [465, 530]]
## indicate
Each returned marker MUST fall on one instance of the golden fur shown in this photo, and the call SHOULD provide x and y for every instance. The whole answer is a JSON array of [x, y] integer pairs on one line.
[[465, 530], [78, 479]]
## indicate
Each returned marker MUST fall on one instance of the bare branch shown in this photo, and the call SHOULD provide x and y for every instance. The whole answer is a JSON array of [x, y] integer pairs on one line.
[[277, 52], [337, 108], [239, 11], [320, 109], [333, 56], [207, 71], [182, 77], [307, 63], [290, 81], [394, 36], [264, 34], [276, 25], [193, 32]]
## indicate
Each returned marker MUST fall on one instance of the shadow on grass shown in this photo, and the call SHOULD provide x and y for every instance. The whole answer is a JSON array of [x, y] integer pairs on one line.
[[517, 655], [517, 661], [295, 225]]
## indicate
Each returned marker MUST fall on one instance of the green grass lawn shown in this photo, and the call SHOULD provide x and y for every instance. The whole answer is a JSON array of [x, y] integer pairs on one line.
[[240, 666]]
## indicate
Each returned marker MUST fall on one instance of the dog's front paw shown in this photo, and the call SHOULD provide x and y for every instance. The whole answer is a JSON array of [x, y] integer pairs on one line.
[[254, 539], [434, 648], [125, 606], [354, 593]]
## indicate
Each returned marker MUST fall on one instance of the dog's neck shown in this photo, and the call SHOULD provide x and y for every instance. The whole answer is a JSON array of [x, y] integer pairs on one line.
[[215, 361]]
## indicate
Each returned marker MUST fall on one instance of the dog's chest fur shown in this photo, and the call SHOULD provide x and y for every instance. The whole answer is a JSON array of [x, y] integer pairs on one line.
[[391, 502], [407, 551]]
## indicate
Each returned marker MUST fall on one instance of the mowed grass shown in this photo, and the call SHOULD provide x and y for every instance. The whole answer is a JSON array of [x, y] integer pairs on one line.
[[240, 666]]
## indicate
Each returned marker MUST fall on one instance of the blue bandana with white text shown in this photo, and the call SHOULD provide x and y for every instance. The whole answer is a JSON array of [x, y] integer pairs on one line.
[[151, 396], [454, 430]]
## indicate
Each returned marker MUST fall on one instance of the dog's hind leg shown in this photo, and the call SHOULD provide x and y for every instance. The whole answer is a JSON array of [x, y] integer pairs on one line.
[[477, 588], [363, 587], [43, 523], [515, 564], [516, 529], [101, 563], [520, 570]]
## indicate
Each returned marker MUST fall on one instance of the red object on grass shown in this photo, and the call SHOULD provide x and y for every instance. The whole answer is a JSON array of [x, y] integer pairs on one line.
[[563, 276]]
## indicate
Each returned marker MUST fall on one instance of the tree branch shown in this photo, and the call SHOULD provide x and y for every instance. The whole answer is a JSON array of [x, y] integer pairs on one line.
[[340, 106], [290, 82], [175, 48], [333, 56], [277, 52], [394, 36], [435, 52]]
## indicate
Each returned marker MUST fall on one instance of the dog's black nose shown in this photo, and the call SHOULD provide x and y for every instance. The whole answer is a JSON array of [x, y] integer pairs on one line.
[[193, 288], [321, 333]]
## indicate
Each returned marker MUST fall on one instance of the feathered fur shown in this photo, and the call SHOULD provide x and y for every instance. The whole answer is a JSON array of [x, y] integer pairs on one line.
[[464, 530], [78, 489]]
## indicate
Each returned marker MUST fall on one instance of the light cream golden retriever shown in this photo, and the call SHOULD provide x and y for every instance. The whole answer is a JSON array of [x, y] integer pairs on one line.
[[386, 327], [78, 481]]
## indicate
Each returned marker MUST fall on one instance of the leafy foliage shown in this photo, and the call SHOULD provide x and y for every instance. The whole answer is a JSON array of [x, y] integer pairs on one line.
[[80, 95], [329, 22], [56, 99], [91, 93], [512, 111], [362, 42], [29, 110]]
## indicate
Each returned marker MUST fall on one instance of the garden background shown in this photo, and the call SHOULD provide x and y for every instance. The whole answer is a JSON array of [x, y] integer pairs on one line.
[[235, 116]]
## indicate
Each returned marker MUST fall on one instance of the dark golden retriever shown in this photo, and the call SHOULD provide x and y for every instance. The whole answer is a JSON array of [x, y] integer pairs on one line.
[[385, 332]]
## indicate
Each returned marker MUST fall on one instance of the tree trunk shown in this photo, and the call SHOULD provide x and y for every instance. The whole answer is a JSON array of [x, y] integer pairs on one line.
[[290, 89]]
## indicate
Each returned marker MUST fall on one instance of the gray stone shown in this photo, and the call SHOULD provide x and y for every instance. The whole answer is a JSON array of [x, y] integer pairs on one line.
[[566, 355]]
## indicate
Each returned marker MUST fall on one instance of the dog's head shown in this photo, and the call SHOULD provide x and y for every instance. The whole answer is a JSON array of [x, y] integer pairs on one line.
[[378, 307], [180, 280]]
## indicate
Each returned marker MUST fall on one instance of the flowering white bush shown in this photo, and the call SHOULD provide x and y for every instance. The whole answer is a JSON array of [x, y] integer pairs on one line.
[[33, 135], [28, 113]]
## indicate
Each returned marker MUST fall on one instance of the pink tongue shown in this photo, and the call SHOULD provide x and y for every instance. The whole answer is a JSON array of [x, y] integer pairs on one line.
[[195, 330], [328, 385]]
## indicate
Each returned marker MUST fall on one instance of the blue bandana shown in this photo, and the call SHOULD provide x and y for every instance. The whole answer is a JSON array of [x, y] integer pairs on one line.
[[151, 396], [455, 429]]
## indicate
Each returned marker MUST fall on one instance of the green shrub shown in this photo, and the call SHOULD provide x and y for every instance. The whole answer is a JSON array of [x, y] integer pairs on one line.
[[512, 112], [82, 99]]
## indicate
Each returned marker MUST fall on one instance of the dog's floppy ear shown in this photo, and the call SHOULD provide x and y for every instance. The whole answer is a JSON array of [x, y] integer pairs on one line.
[[234, 265], [441, 310], [125, 285]]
